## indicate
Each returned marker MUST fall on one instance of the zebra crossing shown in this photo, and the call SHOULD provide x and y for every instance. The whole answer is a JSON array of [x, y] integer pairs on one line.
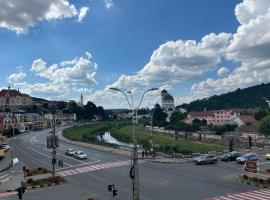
[[95, 167], [5, 177], [263, 194]]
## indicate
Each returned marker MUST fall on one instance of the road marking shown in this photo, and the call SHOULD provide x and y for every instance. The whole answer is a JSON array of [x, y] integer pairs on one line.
[[250, 195], [91, 168], [79, 165], [264, 163], [47, 156], [5, 194]]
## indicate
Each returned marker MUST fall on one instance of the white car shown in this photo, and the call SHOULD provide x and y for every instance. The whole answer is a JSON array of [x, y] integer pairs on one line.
[[6, 147], [70, 152], [80, 155]]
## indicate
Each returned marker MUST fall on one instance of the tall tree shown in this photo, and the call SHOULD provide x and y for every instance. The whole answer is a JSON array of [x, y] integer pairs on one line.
[[264, 126], [159, 117], [260, 114], [177, 117], [89, 110]]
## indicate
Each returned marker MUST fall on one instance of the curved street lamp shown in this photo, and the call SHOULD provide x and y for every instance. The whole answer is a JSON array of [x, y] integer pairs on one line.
[[135, 168], [53, 122]]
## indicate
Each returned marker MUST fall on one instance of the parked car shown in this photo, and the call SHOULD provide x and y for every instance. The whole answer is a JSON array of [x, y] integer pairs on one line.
[[267, 156], [80, 155], [230, 156], [70, 152], [6, 147], [205, 159], [248, 156]]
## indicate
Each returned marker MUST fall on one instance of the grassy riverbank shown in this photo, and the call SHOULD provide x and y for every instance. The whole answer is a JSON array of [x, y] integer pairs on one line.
[[123, 133]]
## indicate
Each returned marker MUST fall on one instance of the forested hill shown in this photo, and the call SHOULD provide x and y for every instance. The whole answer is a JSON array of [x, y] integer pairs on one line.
[[241, 98]]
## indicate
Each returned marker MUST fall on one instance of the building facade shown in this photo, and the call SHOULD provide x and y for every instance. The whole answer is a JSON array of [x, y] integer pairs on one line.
[[11, 98], [215, 117]]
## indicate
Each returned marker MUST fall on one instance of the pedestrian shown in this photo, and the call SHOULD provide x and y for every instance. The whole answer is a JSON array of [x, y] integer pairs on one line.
[[146, 153], [154, 154], [142, 154]]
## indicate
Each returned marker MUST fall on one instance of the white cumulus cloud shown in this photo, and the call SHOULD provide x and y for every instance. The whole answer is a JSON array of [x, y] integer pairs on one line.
[[16, 77], [19, 15], [108, 4], [223, 71], [250, 47]]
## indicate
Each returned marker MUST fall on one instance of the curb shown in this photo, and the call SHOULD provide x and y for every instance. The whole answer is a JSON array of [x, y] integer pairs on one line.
[[167, 162], [38, 186], [253, 184]]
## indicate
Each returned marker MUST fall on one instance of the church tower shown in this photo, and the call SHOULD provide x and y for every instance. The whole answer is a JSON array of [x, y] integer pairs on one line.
[[81, 101]]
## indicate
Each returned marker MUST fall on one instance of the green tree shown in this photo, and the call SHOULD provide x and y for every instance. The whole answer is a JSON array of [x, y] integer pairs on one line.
[[159, 117], [264, 126], [177, 117], [89, 110], [260, 114]]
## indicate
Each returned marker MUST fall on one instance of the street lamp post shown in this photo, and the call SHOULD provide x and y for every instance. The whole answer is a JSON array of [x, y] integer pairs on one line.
[[53, 121], [135, 166]]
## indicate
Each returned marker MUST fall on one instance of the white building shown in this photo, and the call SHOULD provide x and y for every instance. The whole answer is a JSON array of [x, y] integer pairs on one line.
[[167, 103]]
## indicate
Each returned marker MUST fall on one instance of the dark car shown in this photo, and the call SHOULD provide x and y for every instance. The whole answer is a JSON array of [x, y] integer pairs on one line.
[[230, 156], [205, 159]]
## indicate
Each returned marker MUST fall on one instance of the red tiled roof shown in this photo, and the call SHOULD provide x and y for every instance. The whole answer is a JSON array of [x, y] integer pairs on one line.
[[250, 124]]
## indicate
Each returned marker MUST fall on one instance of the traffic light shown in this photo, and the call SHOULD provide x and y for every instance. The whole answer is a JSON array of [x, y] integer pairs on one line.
[[231, 144], [110, 188], [250, 140], [114, 192], [19, 192]]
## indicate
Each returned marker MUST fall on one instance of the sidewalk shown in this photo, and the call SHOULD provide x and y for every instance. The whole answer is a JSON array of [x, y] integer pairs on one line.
[[6, 163]]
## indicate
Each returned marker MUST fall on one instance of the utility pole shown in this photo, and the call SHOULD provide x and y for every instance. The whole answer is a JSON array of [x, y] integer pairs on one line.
[[54, 147], [53, 138], [135, 166]]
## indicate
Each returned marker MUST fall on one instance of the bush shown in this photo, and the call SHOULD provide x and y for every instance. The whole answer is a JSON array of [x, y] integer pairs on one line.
[[255, 179], [245, 177], [29, 174], [45, 171], [268, 170], [30, 180], [39, 168], [27, 170]]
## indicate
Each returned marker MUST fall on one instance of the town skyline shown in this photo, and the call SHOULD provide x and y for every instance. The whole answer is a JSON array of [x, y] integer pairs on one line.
[[193, 56]]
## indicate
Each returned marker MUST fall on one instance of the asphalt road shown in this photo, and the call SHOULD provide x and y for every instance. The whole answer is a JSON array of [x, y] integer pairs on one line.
[[89, 178]]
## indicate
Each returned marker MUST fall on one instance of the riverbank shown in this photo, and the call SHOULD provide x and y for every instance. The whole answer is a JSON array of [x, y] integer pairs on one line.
[[123, 133]]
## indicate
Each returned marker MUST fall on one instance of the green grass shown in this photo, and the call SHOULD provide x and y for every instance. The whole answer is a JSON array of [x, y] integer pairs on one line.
[[163, 143], [123, 133]]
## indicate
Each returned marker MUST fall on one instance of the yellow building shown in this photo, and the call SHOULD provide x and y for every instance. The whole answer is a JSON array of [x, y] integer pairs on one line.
[[11, 98]]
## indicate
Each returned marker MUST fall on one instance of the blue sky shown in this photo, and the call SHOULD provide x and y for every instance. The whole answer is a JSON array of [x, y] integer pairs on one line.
[[193, 48]]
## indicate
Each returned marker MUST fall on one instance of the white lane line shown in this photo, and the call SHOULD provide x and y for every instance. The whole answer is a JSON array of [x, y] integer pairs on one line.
[[264, 163], [46, 155], [7, 194], [3, 176]]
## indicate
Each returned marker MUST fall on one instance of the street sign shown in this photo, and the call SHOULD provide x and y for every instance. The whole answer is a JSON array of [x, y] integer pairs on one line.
[[251, 166], [52, 141]]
